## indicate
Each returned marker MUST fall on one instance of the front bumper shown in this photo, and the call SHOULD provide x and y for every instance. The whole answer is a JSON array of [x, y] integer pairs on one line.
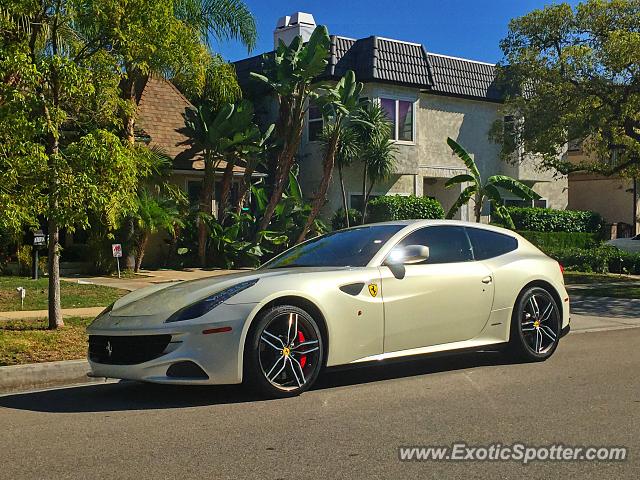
[[213, 343]]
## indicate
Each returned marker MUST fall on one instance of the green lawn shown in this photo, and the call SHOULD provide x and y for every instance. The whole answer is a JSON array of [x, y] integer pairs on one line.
[[72, 294], [602, 285], [29, 341]]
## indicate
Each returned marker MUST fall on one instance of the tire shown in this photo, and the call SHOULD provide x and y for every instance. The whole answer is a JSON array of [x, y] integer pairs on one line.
[[284, 352], [536, 324]]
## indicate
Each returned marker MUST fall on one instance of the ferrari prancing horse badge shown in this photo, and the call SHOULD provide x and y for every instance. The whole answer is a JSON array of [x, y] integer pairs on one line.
[[373, 289]]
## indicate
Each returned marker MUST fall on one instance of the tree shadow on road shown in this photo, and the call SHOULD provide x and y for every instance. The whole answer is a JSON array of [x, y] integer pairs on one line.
[[130, 396]]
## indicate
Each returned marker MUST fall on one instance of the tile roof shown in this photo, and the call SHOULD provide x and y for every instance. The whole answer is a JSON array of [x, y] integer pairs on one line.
[[458, 76], [378, 59]]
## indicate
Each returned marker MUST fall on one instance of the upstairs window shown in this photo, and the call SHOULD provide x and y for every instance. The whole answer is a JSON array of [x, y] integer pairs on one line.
[[315, 123], [400, 114]]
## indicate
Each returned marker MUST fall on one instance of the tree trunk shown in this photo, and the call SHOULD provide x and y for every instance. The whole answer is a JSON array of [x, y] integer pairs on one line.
[[225, 190], [344, 197], [477, 208], [245, 186], [327, 171], [364, 193], [53, 150], [206, 198], [142, 245], [55, 311], [289, 128], [128, 93]]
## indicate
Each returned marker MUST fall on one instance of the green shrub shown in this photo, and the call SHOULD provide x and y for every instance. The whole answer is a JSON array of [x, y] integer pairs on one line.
[[337, 220], [594, 260], [548, 220], [602, 259], [555, 240], [383, 209]]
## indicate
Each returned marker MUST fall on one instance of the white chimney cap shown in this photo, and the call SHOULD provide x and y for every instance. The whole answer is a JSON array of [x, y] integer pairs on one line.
[[283, 22], [301, 17]]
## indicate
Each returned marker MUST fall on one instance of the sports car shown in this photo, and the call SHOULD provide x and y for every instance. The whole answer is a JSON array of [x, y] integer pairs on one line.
[[363, 294]]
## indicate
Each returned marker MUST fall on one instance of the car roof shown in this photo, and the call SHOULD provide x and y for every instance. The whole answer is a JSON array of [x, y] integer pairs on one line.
[[424, 223]]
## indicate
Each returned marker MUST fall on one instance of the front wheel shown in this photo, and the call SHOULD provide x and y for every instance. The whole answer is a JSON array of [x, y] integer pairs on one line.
[[284, 352], [535, 325]]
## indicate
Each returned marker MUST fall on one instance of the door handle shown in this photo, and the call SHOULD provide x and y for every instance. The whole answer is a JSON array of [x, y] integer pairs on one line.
[[487, 279]]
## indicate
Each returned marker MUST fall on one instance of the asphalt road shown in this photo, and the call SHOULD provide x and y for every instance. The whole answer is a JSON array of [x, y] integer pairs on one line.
[[350, 426]]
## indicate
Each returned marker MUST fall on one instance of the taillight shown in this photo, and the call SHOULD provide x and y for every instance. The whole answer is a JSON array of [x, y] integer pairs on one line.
[[561, 268]]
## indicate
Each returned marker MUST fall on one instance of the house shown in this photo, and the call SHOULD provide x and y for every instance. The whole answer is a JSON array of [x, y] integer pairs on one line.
[[160, 123], [428, 97]]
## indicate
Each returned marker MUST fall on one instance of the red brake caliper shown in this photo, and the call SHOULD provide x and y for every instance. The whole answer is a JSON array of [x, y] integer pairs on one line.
[[303, 358]]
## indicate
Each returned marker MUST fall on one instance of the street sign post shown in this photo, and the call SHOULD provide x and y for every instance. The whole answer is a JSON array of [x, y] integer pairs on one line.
[[116, 249], [39, 241]]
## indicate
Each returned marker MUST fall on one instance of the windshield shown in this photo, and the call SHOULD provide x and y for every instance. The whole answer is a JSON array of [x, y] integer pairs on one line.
[[354, 247]]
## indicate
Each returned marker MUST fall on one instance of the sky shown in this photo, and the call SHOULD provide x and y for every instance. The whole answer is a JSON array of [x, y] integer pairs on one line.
[[460, 28]]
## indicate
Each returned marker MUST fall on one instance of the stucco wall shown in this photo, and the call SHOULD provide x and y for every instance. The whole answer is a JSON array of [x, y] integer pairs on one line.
[[610, 197], [429, 156]]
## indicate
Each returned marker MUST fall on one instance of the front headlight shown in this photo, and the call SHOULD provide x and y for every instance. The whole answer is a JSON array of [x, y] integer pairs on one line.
[[205, 305]]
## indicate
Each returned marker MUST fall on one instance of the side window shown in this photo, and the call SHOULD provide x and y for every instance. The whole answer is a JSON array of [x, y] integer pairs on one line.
[[488, 244], [447, 244]]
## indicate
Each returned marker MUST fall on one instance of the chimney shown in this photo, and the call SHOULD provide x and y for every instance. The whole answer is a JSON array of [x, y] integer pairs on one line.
[[289, 27]]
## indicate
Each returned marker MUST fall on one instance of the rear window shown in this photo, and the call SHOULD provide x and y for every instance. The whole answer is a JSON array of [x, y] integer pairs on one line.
[[488, 244]]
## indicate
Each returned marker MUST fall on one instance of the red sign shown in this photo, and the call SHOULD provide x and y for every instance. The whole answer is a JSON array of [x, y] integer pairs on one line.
[[116, 248]]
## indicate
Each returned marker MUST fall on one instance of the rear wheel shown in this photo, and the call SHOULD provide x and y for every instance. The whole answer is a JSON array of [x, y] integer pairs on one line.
[[535, 325], [283, 354]]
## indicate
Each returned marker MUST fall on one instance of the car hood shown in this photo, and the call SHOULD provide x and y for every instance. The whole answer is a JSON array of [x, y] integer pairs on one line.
[[168, 298]]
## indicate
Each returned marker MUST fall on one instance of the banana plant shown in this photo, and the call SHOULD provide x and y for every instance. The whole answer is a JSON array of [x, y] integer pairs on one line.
[[228, 135], [481, 191], [339, 105], [290, 75]]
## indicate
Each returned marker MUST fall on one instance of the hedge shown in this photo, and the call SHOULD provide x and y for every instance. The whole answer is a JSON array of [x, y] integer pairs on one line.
[[386, 208], [549, 220], [556, 240], [603, 259], [337, 221]]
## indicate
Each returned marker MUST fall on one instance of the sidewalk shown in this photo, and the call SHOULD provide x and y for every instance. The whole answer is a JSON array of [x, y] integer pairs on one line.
[[150, 277], [37, 314]]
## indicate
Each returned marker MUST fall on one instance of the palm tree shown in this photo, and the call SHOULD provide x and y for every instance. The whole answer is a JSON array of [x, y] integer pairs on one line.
[[153, 214], [347, 152], [480, 191], [373, 131], [379, 159], [339, 105]]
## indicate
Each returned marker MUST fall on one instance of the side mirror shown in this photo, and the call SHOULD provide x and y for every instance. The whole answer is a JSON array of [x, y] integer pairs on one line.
[[407, 255]]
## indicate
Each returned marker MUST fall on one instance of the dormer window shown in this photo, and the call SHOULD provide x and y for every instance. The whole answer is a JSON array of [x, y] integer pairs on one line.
[[400, 114]]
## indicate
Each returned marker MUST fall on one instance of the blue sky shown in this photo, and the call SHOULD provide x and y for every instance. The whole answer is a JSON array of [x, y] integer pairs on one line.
[[463, 28]]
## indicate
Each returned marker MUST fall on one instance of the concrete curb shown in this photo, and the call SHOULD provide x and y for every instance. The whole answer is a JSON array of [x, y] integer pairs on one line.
[[20, 378]]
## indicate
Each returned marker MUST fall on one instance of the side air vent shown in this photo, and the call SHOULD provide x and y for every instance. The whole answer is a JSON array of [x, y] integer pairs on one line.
[[352, 288]]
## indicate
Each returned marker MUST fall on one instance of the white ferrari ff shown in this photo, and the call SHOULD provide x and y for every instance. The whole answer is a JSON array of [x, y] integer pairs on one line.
[[367, 293]]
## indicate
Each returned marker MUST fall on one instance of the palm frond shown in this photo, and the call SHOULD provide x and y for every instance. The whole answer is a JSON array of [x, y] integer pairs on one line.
[[222, 19]]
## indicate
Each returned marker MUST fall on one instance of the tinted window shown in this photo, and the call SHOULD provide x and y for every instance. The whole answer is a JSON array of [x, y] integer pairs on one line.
[[354, 248], [446, 244], [488, 244]]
